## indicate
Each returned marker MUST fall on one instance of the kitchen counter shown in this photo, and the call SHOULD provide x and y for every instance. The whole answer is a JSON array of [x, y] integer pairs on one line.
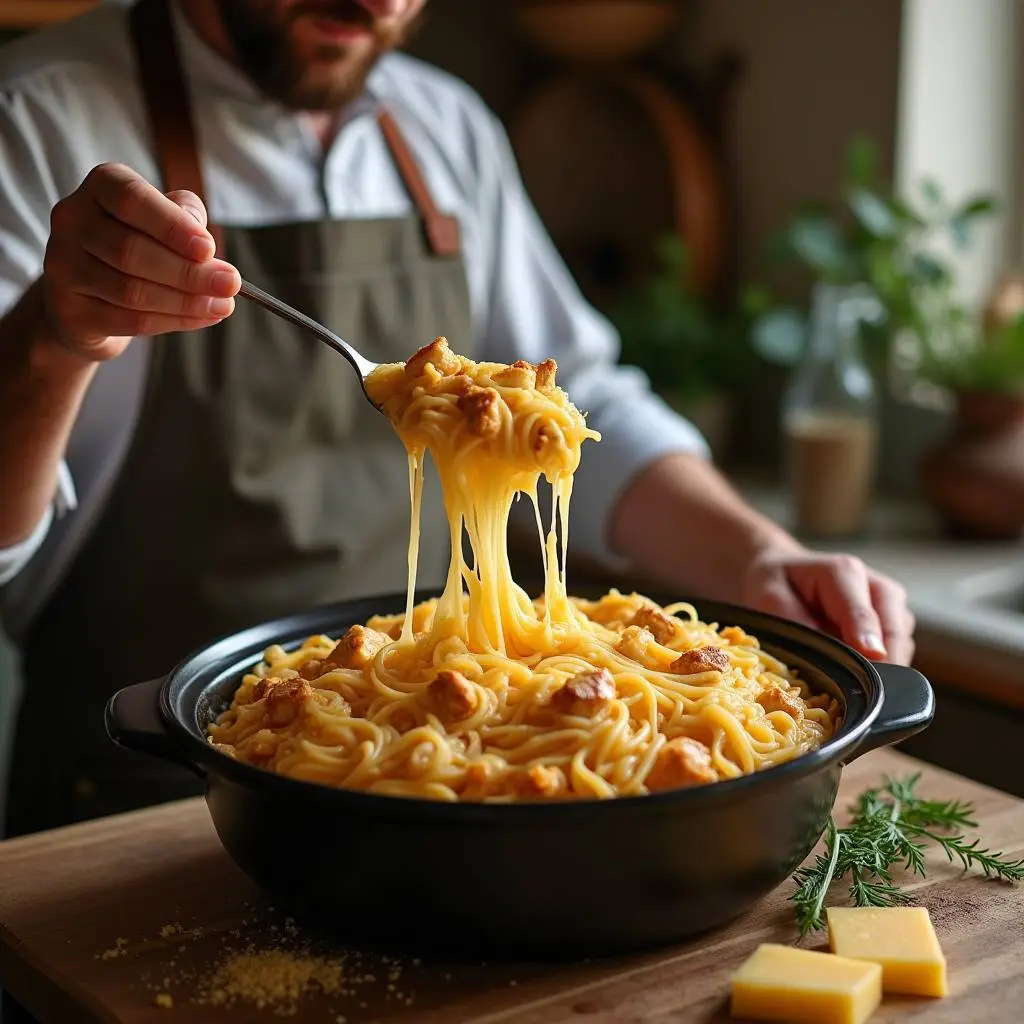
[[967, 596], [946, 579], [98, 919]]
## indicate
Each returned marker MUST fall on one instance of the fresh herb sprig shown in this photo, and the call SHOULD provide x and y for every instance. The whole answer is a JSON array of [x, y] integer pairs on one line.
[[891, 828]]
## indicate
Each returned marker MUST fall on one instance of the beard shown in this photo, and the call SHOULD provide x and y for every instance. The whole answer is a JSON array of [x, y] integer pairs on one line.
[[260, 35]]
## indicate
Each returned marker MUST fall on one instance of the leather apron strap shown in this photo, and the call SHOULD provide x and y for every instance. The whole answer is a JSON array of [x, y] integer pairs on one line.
[[166, 97]]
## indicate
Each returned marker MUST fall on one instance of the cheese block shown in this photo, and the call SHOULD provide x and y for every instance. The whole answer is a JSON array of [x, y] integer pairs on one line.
[[783, 983], [901, 940]]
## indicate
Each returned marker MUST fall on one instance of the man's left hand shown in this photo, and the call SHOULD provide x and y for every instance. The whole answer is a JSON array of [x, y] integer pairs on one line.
[[837, 594]]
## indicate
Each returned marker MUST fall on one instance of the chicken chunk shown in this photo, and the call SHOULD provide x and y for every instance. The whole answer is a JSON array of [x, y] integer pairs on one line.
[[520, 374], [541, 782], [635, 643], [313, 669], [453, 696], [482, 409], [357, 648], [436, 354], [656, 622], [682, 762], [775, 698], [461, 384], [546, 373], [585, 693], [700, 659], [543, 435], [284, 699]]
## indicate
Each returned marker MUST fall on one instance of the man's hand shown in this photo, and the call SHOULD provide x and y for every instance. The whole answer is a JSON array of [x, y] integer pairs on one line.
[[837, 594], [123, 259], [680, 522]]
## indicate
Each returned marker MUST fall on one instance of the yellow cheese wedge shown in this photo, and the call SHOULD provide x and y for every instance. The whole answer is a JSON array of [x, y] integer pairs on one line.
[[796, 985], [900, 939]]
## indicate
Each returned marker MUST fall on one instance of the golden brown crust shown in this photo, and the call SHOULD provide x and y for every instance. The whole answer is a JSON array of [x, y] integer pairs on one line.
[[700, 659], [436, 354], [453, 696], [461, 384], [546, 372], [775, 698], [284, 699], [682, 762], [520, 374], [482, 410], [357, 648], [585, 693], [313, 669], [656, 622]]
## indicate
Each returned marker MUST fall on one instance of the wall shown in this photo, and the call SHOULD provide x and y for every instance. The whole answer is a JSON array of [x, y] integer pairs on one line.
[[814, 74]]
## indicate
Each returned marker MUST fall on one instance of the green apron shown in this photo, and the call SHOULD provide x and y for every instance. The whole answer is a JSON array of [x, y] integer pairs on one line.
[[258, 483]]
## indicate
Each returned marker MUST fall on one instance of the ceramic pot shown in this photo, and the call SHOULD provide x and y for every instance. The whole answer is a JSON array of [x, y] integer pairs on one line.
[[595, 31], [975, 477]]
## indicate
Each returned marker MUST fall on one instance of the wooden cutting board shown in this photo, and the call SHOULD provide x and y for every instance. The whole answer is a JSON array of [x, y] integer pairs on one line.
[[66, 897]]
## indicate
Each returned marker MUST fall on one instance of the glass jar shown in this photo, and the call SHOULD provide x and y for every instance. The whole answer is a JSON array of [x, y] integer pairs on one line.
[[830, 417]]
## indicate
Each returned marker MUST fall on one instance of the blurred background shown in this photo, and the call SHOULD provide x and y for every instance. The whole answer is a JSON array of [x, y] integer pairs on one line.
[[805, 220]]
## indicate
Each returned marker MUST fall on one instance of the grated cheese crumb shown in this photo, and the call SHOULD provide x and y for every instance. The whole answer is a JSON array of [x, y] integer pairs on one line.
[[164, 1000], [120, 948], [271, 978]]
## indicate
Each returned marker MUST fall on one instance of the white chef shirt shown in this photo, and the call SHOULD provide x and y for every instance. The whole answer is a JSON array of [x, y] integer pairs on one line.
[[69, 100]]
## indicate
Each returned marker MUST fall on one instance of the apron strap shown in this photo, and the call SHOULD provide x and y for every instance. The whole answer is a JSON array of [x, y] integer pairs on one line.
[[166, 97], [441, 229]]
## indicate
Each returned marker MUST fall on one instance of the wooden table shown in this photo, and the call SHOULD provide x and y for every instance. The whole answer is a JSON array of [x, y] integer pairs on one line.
[[69, 895]]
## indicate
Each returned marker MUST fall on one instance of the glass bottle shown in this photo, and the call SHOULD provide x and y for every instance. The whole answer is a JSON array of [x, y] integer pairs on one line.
[[830, 417]]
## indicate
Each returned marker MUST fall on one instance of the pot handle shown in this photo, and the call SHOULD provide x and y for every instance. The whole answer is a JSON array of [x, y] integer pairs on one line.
[[909, 707], [133, 721]]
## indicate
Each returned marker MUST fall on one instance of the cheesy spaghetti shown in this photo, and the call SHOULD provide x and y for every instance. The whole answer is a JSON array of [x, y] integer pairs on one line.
[[486, 694]]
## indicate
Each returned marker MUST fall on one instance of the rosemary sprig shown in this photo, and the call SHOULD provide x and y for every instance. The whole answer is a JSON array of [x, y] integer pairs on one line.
[[891, 828]]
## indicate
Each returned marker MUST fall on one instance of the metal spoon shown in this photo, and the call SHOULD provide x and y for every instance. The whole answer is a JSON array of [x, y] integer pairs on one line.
[[359, 363]]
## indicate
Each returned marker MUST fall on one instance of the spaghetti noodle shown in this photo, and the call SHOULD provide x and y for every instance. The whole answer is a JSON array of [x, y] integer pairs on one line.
[[484, 694]]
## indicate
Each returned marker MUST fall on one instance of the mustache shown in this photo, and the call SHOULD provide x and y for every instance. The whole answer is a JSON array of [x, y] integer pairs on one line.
[[351, 12]]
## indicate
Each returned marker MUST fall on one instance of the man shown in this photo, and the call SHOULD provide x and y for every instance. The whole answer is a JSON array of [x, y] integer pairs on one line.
[[224, 468]]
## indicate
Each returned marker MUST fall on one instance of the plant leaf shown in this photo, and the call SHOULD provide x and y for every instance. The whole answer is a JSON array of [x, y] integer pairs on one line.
[[931, 192], [929, 269], [960, 229], [873, 213], [978, 206], [906, 213], [818, 242], [780, 335]]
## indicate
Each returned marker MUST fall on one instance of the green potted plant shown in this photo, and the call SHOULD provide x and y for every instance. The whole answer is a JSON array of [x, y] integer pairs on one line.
[[974, 478], [878, 243], [879, 239], [694, 351]]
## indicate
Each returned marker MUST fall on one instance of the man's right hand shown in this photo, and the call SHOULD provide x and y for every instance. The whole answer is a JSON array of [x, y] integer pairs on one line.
[[123, 260]]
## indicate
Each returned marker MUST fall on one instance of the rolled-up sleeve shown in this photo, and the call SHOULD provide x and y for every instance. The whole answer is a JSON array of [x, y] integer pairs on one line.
[[27, 192], [536, 311]]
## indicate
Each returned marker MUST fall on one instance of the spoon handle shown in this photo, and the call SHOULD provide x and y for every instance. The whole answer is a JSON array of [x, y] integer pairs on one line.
[[360, 364]]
